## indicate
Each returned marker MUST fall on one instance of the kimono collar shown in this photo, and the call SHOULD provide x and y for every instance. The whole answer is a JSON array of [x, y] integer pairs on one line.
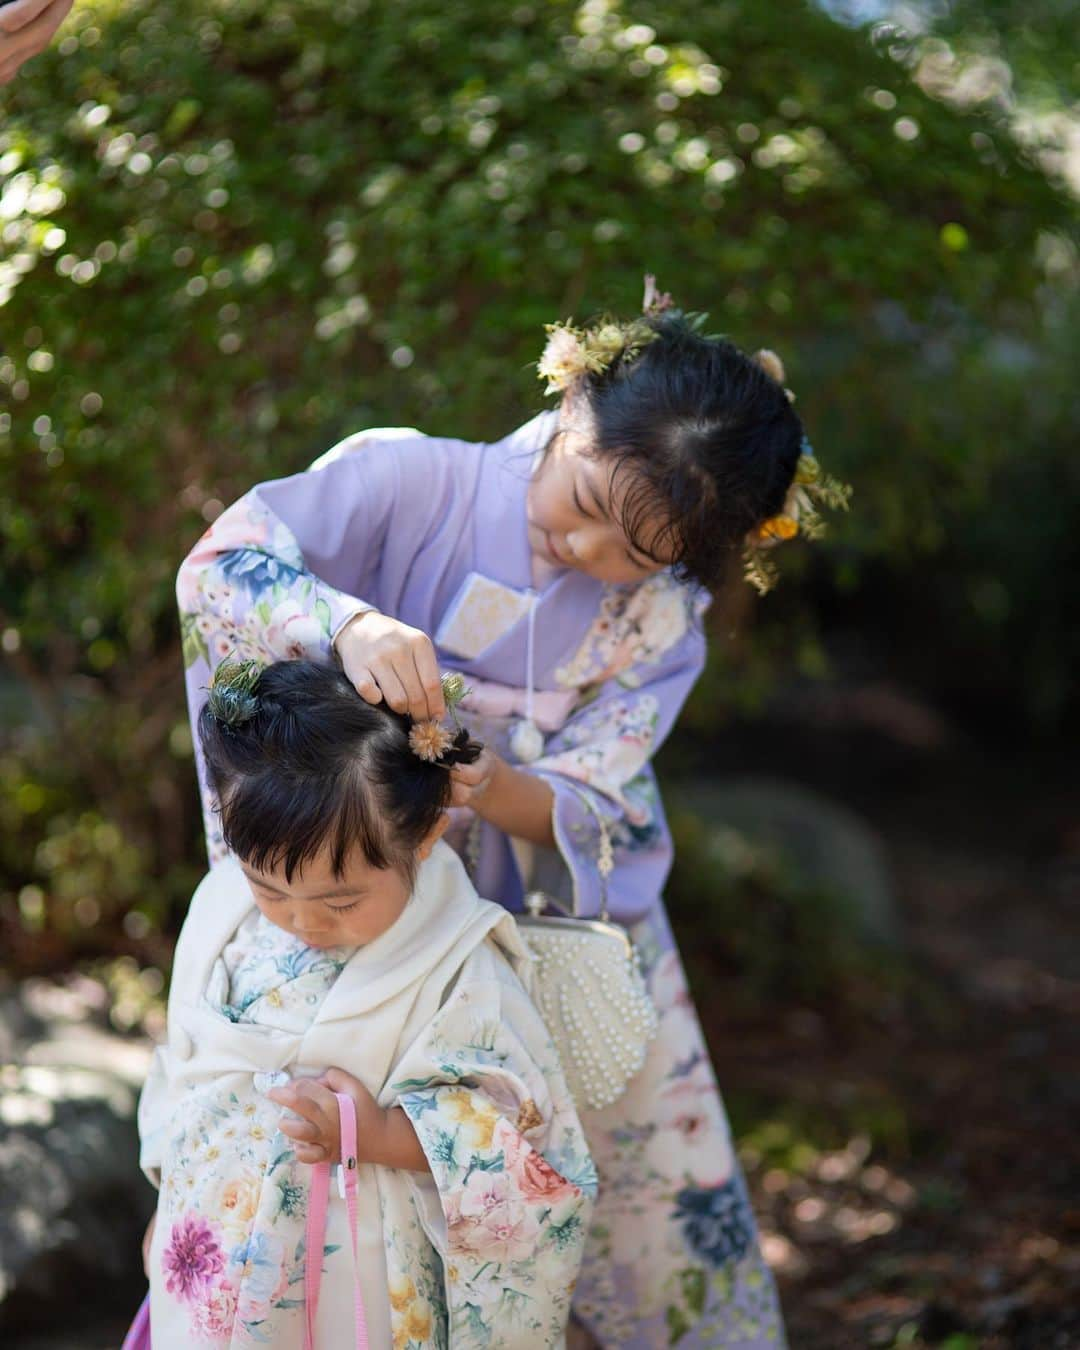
[[444, 915]]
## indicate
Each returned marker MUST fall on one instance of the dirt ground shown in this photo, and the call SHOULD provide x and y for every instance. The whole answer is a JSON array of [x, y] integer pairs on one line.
[[948, 1214]]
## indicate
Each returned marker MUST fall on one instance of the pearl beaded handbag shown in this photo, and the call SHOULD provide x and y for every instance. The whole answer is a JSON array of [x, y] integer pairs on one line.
[[588, 986]]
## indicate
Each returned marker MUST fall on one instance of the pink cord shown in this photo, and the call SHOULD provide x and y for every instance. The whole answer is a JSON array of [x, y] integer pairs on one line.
[[316, 1227]]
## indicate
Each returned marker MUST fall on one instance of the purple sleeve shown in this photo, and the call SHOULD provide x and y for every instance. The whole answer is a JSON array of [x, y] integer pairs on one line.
[[282, 570], [599, 768]]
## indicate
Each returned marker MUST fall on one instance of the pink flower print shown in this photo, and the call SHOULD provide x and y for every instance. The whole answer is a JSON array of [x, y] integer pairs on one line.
[[534, 1176], [213, 1315], [508, 1233], [483, 1192], [193, 1259], [690, 1141], [540, 1181], [291, 634]]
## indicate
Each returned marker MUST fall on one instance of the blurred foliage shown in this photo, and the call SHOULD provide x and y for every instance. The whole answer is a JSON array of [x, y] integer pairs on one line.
[[233, 230]]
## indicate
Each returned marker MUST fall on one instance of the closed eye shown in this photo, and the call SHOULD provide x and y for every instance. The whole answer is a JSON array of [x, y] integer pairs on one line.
[[341, 909], [579, 508]]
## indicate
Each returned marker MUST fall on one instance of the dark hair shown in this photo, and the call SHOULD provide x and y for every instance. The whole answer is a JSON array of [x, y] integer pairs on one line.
[[316, 766], [701, 432]]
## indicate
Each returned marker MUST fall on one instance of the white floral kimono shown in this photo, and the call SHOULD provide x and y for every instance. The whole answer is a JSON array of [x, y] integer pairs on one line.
[[432, 1016]]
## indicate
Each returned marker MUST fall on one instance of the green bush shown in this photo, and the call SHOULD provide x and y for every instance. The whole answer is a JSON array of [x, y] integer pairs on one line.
[[232, 230]]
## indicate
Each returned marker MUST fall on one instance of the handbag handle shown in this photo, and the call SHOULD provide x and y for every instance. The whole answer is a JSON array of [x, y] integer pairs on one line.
[[316, 1227]]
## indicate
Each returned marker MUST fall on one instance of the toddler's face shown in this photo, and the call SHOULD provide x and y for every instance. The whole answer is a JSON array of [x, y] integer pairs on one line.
[[574, 511], [324, 910]]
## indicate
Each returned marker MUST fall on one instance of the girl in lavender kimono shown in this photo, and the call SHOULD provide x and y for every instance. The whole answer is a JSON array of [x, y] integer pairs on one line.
[[343, 949], [564, 570]]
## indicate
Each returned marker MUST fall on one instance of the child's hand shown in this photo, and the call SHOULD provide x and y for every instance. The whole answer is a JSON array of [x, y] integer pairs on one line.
[[382, 1136], [148, 1237], [469, 782], [388, 660], [317, 1134]]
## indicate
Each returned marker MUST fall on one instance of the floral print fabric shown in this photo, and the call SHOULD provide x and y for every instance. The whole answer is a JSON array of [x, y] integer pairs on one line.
[[672, 1255], [483, 1253]]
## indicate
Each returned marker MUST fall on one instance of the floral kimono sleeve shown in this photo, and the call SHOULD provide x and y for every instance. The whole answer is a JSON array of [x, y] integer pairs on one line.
[[510, 1195], [637, 667], [283, 569]]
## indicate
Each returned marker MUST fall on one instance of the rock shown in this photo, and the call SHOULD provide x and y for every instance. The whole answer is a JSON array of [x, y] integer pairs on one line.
[[831, 847], [73, 1203]]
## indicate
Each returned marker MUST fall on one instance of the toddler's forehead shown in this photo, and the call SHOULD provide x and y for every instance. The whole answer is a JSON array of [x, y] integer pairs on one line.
[[315, 877]]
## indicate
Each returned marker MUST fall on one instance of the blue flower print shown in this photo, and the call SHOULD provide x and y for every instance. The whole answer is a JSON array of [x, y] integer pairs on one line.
[[717, 1222], [255, 571]]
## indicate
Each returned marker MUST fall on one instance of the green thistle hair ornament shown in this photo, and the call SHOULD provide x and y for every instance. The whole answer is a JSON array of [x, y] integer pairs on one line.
[[232, 696], [454, 689]]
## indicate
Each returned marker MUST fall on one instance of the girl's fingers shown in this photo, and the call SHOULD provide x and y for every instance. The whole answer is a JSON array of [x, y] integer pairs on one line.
[[470, 774], [390, 683], [427, 672], [306, 1098], [16, 16], [365, 685], [405, 670], [337, 1080], [35, 35], [303, 1131], [311, 1153]]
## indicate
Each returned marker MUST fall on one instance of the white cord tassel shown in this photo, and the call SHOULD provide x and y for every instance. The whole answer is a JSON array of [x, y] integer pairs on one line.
[[526, 739]]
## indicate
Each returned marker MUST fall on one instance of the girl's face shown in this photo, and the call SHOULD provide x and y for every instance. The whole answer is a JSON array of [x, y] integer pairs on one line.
[[324, 910], [573, 510]]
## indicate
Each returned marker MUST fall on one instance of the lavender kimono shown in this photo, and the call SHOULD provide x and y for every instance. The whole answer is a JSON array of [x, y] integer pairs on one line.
[[398, 521]]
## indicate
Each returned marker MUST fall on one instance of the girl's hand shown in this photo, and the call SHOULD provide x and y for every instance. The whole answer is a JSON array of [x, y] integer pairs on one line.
[[148, 1237], [317, 1134], [383, 1136], [469, 782], [389, 660], [26, 28]]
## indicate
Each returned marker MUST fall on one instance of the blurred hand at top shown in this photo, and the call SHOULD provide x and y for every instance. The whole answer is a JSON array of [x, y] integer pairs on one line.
[[26, 28]]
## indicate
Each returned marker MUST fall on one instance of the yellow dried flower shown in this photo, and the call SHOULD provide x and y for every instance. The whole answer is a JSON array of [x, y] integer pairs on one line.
[[771, 364], [808, 470], [430, 741], [778, 527]]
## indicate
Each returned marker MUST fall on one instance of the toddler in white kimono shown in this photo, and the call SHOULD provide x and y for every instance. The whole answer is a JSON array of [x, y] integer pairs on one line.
[[342, 948]]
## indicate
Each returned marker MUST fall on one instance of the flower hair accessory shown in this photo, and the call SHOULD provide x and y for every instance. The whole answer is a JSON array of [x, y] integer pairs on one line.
[[232, 697], [572, 352], [810, 487], [431, 741]]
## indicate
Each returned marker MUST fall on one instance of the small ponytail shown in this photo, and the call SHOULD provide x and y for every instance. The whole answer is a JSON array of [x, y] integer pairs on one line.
[[301, 763]]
